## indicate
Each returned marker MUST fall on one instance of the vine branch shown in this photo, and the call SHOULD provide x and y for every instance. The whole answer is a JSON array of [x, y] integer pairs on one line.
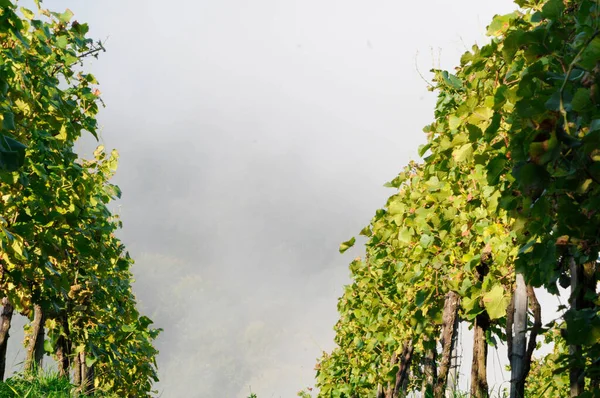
[[563, 111]]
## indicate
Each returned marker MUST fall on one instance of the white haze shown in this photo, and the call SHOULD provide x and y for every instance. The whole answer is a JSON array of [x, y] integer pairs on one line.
[[254, 137]]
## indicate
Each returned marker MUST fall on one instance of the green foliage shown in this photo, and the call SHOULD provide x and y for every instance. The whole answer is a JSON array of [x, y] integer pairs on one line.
[[57, 237], [347, 245], [44, 384], [427, 241], [511, 182], [548, 378]]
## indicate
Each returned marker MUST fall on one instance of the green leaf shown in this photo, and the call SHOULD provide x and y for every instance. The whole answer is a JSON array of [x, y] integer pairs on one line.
[[474, 132], [553, 103], [420, 299], [500, 24], [392, 372], [62, 42], [452, 80], [48, 346], [66, 16], [583, 327], [471, 306], [511, 44], [454, 122], [396, 206], [495, 169], [405, 235], [113, 191], [145, 322], [553, 9], [89, 361], [366, 231], [531, 177], [347, 245], [423, 149], [12, 153], [8, 121], [535, 17], [591, 54], [17, 246], [591, 141], [495, 302], [466, 58], [426, 240], [581, 100]]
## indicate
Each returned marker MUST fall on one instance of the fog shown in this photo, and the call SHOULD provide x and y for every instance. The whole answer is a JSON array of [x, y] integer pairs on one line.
[[254, 137]]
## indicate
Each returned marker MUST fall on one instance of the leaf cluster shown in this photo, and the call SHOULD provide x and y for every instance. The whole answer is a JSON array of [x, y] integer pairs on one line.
[[58, 247], [509, 182]]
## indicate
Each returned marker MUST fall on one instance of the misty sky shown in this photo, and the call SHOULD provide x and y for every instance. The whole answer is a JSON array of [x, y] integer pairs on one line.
[[255, 136]]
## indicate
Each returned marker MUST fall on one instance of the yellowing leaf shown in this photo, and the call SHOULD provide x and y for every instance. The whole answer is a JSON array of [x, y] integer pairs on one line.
[[27, 13], [495, 302], [62, 135], [463, 153], [347, 245], [405, 235], [454, 122]]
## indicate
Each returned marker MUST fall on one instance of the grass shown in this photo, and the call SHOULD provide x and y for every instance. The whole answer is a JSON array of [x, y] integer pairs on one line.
[[46, 384]]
